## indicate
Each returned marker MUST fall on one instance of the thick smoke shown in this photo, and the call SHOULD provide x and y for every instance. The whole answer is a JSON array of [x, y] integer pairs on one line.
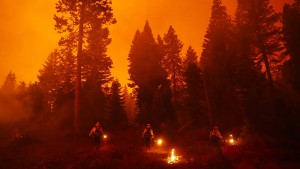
[[12, 111]]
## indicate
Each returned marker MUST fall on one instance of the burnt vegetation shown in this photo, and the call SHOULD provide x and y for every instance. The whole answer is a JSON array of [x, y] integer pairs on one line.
[[246, 81]]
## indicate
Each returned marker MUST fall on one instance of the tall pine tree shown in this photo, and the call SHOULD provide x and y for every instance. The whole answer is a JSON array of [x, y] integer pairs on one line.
[[147, 77], [194, 88], [259, 54], [10, 83], [217, 66], [291, 22], [257, 22], [172, 61], [118, 118], [75, 18], [97, 64]]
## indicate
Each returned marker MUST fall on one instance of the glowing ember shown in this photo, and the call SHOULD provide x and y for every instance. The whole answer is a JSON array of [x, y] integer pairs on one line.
[[105, 136], [173, 159], [231, 140], [159, 142]]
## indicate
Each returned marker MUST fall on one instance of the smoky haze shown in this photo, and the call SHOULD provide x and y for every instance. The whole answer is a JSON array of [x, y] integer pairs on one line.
[[12, 111], [28, 35]]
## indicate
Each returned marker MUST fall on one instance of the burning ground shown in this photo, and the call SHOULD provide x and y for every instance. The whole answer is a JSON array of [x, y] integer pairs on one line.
[[124, 150]]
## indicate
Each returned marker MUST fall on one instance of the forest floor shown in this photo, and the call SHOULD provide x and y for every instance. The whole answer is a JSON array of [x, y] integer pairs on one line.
[[124, 150]]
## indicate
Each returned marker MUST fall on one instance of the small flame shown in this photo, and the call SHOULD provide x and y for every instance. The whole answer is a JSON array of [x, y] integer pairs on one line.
[[105, 136], [173, 159]]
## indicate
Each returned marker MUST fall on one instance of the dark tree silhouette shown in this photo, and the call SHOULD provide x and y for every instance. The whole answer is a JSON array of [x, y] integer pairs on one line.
[[194, 87], [56, 81], [258, 22], [216, 63], [148, 77], [37, 103], [258, 56], [75, 18], [10, 83], [172, 61], [290, 84], [97, 65], [291, 22], [190, 57], [49, 76], [116, 110], [96, 75]]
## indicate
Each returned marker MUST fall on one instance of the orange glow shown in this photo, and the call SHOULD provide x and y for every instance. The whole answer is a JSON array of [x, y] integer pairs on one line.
[[159, 142], [173, 158], [28, 36]]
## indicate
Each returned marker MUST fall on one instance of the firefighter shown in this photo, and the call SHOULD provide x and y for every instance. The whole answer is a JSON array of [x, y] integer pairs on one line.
[[215, 139], [215, 136], [148, 136], [97, 133]]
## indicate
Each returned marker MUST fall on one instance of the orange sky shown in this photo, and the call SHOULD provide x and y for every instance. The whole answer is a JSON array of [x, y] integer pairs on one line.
[[27, 33]]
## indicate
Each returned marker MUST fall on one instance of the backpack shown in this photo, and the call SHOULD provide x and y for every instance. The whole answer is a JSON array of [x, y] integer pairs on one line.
[[215, 139], [148, 133], [97, 132]]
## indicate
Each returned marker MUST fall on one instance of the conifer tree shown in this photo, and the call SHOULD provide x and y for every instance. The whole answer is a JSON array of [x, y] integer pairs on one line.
[[172, 61], [190, 57], [117, 112], [146, 74], [291, 22], [257, 26], [56, 80], [74, 19], [10, 83], [194, 87], [259, 54], [97, 64], [161, 49], [216, 63], [49, 75]]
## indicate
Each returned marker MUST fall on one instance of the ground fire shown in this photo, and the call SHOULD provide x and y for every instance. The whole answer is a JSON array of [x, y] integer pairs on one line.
[[173, 158]]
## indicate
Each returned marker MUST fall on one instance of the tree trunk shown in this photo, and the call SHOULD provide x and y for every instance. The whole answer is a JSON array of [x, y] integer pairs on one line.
[[266, 61], [268, 70], [207, 100], [78, 73]]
